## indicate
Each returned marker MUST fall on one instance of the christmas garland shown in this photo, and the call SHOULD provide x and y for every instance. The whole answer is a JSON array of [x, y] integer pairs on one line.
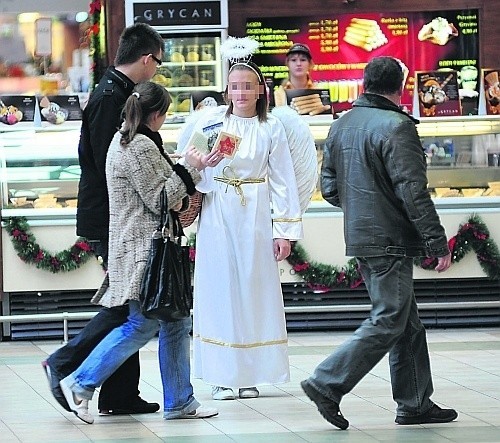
[[473, 235], [29, 251], [96, 42]]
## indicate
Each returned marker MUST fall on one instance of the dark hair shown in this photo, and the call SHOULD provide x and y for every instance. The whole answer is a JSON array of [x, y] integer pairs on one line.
[[147, 98], [383, 75], [263, 100], [135, 41]]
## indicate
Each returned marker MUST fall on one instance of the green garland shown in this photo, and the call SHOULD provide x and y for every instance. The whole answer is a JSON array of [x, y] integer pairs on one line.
[[473, 235], [95, 35], [29, 251]]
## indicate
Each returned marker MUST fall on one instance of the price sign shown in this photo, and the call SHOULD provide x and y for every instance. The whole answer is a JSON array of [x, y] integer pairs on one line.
[[43, 37]]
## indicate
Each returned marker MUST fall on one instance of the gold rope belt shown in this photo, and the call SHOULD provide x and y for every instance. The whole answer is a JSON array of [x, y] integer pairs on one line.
[[237, 182]]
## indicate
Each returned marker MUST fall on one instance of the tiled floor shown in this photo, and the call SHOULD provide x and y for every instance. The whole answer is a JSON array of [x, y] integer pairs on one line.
[[465, 364]]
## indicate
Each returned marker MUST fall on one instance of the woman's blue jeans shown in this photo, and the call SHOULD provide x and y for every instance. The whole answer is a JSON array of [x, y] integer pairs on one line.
[[125, 340], [393, 326]]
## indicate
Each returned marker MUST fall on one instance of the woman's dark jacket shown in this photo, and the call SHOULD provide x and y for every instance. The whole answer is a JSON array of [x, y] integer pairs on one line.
[[374, 168]]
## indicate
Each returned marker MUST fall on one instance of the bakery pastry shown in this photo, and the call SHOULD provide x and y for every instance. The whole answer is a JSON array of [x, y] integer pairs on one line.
[[438, 31], [309, 104]]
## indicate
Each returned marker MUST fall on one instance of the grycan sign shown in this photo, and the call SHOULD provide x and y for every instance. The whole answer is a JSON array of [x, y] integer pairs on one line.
[[171, 15]]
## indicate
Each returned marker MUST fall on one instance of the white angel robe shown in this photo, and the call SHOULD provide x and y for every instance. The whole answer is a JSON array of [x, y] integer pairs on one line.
[[239, 331]]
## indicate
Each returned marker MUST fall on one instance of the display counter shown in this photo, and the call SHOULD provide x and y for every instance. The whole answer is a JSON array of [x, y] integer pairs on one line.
[[39, 175], [462, 178], [39, 179]]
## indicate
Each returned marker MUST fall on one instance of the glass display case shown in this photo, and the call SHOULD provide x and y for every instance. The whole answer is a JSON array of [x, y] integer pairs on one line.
[[39, 173], [39, 166], [191, 63], [39, 170], [462, 153], [192, 33]]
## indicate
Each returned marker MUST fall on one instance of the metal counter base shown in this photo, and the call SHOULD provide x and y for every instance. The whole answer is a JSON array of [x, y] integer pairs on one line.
[[443, 303]]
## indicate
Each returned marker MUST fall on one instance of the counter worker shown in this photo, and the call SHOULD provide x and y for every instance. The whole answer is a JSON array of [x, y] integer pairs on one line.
[[299, 62]]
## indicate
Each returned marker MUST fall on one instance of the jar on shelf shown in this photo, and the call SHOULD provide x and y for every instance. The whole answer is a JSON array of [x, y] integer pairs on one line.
[[193, 53], [206, 77], [207, 52], [177, 54]]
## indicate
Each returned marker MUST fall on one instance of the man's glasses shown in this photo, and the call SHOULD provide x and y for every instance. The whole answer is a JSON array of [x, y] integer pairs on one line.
[[156, 59]]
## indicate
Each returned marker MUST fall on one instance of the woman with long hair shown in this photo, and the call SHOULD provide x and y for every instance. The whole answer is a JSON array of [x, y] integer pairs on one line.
[[137, 170]]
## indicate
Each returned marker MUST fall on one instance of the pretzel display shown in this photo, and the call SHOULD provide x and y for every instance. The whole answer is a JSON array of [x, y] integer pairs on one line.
[[309, 104], [365, 34]]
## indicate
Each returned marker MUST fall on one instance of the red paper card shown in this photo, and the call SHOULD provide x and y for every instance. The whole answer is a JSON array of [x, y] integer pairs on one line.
[[227, 144]]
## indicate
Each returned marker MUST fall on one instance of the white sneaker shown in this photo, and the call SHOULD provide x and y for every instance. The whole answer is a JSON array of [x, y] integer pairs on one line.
[[201, 412], [79, 406], [252, 392], [221, 393], [82, 412]]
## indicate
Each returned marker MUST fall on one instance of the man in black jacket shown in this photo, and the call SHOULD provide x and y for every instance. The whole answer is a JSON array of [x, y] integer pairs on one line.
[[139, 53], [374, 169]]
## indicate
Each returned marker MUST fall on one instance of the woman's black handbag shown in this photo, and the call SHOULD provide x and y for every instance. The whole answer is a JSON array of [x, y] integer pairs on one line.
[[166, 292]]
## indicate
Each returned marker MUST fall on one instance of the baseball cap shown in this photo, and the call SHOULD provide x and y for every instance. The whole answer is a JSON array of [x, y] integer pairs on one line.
[[300, 48]]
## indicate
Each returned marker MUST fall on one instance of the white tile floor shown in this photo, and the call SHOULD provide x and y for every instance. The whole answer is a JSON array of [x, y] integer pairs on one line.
[[465, 364]]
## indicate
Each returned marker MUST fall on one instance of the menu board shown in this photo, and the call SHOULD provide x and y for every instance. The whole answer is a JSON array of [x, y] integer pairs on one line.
[[342, 45]]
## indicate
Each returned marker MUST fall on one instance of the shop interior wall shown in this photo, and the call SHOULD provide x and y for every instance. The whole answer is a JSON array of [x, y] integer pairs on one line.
[[239, 10]]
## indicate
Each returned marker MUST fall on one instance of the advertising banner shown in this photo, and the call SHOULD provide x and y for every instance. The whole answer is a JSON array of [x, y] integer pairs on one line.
[[17, 108], [438, 94], [57, 109], [491, 84], [342, 45]]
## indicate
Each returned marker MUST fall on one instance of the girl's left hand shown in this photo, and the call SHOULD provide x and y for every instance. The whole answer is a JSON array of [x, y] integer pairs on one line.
[[200, 161], [282, 248], [212, 159]]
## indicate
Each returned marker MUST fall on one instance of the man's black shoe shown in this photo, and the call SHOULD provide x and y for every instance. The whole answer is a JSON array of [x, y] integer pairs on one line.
[[433, 415], [138, 406], [328, 409], [53, 378]]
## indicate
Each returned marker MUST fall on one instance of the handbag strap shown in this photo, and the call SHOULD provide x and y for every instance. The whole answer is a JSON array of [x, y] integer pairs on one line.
[[170, 224], [163, 208]]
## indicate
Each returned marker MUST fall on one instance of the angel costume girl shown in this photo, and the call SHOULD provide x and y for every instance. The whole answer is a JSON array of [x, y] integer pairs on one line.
[[250, 212], [239, 331]]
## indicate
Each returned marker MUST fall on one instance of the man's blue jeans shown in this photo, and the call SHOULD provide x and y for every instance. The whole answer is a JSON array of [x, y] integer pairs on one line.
[[393, 326], [122, 342]]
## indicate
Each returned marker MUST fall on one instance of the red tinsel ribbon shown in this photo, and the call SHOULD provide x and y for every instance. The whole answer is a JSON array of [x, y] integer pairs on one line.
[[95, 6]]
